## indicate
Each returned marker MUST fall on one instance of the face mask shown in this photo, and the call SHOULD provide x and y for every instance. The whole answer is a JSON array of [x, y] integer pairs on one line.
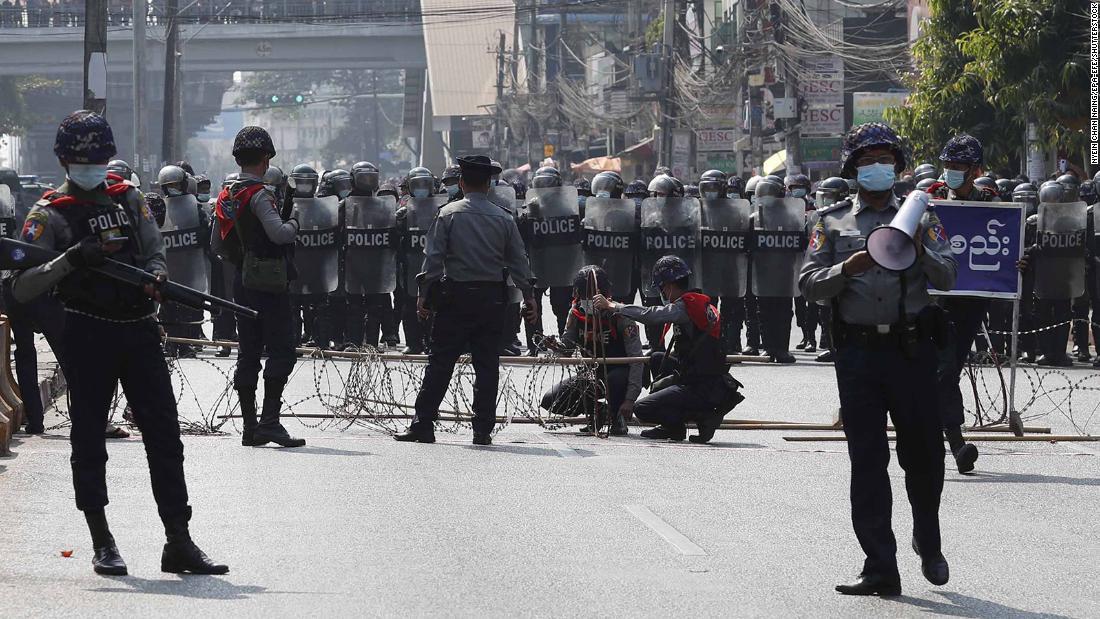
[[452, 190], [343, 193], [420, 193], [603, 194], [710, 195], [876, 177], [204, 197], [954, 178], [172, 192], [305, 189], [87, 176], [798, 192]]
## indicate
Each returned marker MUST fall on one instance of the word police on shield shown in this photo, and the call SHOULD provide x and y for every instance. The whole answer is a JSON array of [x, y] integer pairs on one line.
[[892, 247]]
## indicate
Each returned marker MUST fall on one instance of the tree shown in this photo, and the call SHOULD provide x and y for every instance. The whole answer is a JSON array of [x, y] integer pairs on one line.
[[16, 114], [988, 67]]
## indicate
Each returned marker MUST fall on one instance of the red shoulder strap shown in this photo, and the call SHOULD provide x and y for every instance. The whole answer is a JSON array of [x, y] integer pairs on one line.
[[227, 217], [703, 315], [114, 190]]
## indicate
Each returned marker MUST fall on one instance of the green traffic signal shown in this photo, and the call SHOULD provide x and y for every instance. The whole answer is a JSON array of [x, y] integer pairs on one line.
[[299, 98], [274, 98]]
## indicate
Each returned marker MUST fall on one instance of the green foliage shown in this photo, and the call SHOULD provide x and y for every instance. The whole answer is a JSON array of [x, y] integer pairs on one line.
[[16, 114], [655, 32], [986, 66]]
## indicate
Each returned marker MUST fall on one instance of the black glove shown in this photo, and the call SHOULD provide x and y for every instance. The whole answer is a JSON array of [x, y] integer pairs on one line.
[[288, 206], [87, 253]]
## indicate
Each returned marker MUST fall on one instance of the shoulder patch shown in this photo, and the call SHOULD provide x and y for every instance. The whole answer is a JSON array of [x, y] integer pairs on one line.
[[818, 236], [836, 206], [936, 231], [35, 225]]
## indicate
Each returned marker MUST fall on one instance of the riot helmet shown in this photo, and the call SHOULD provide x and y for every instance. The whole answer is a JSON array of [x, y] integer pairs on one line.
[[926, 184], [584, 188], [1052, 192], [1004, 189], [691, 191], [769, 187], [1025, 193], [636, 189], [364, 178], [1087, 192], [305, 181], [666, 186], [420, 183], [192, 185], [923, 171], [202, 183], [450, 181], [546, 176], [1072, 187], [735, 188], [387, 189], [830, 191], [713, 185], [120, 168], [173, 181], [984, 182], [335, 183], [607, 185], [230, 179], [274, 177], [798, 185], [750, 187], [903, 186]]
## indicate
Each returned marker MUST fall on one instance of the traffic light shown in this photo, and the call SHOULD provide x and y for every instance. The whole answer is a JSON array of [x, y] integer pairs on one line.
[[297, 98]]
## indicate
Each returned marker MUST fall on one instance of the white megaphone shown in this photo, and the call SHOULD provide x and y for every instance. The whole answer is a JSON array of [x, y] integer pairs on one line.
[[893, 247]]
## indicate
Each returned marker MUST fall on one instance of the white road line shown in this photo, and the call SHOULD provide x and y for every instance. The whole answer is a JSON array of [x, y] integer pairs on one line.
[[559, 446], [665, 530], [1081, 449]]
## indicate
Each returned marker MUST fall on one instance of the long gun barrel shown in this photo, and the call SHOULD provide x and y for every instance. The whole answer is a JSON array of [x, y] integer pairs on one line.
[[17, 255]]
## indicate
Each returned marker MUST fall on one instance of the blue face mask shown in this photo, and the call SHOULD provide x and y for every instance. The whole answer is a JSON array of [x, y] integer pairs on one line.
[[876, 177], [420, 193], [954, 178], [88, 176], [204, 197], [798, 192], [452, 190], [603, 194], [710, 195]]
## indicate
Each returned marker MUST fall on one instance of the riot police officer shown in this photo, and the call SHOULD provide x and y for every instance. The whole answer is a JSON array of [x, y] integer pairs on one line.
[[962, 162], [722, 276], [305, 183], [369, 315], [661, 186], [829, 192], [185, 250], [886, 357], [420, 185], [750, 314], [110, 336], [329, 331], [546, 178], [474, 247], [449, 180], [775, 269], [256, 235], [1027, 345], [805, 314]]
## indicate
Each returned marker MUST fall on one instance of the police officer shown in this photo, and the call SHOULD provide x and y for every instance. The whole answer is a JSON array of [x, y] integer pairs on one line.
[[829, 192], [221, 271], [560, 296], [687, 380], [258, 239], [805, 314], [962, 162], [886, 358], [600, 335], [419, 183], [305, 183], [179, 320], [331, 316], [371, 315], [449, 180], [774, 313], [473, 248], [750, 316], [110, 336], [1027, 346]]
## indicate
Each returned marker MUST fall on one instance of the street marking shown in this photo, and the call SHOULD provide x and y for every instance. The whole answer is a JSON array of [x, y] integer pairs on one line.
[[1081, 449], [559, 446], [666, 530]]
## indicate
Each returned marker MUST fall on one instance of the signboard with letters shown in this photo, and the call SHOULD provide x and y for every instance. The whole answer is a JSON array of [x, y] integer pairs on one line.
[[986, 240]]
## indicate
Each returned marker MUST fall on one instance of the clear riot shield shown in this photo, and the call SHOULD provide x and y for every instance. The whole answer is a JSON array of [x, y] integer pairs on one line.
[[778, 246], [610, 241], [504, 195], [419, 215], [317, 248], [370, 256], [723, 247], [556, 235], [1060, 265], [184, 242], [670, 226], [7, 213]]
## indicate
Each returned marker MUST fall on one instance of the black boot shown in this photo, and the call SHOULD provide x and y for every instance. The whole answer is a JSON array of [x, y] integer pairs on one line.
[[665, 433], [181, 555], [106, 559], [247, 398], [269, 429]]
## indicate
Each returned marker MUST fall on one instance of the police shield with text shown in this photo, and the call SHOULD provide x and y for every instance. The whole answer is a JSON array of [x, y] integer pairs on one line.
[[110, 337], [316, 255], [610, 234], [370, 260], [777, 244], [1058, 258], [413, 221]]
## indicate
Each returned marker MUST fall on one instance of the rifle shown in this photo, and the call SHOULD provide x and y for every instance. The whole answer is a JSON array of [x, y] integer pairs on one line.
[[17, 255]]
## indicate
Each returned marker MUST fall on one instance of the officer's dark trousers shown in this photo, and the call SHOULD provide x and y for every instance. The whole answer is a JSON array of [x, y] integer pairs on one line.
[[416, 331], [1052, 342], [825, 320], [673, 406], [806, 316], [366, 316], [774, 314], [872, 381], [966, 316], [272, 331], [460, 326], [335, 319], [312, 318], [729, 307], [26, 356], [575, 396], [221, 285], [100, 355], [181, 321], [1000, 320], [746, 312], [1082, 326]]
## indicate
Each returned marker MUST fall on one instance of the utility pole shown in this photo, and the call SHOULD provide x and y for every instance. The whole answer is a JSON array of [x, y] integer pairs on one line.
[[95, 56], [169, 130], [141, 148], [377, 133], [794, 134], [498, 133], [667, 109]]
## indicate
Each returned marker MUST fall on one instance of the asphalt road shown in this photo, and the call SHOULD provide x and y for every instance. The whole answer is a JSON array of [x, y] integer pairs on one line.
[[552, 523]]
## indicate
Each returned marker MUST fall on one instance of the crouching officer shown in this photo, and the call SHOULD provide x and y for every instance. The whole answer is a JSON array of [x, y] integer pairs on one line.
[[473, 248], [883, 329], [600, 335], [691, 381], [110, 336], [257, 238]]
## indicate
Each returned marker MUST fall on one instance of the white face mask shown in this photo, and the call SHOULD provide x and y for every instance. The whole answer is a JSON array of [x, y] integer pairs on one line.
[[88, 176], [204, 197]]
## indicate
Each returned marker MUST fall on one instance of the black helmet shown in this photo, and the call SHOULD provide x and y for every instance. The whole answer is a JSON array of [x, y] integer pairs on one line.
[[665, 185], [120, 168], [1004, 189], [520, 188], [230, 179], [713, 184], [636, 188], [364, 177], [1072, 187], [770, 187], [305, 180], [335, 183], [662, 169], [795, 182], [853, 186], [387, 189], [607, 185], [1052, 192], [1087, 192], [750, 186], [582, 282], [1025, 192], [420, 183], [253, 138], [451, 175], [923, 171], [691, 191], [984, 182], [903, 186], [830, 191], [584, 188], [735, 188], [546, 176]]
